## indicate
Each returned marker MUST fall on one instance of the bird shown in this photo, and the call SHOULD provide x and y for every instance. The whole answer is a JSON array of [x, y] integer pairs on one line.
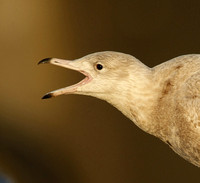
[[163, 100]]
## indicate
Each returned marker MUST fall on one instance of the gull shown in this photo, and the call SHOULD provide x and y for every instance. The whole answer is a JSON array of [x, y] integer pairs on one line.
[[163, 101]]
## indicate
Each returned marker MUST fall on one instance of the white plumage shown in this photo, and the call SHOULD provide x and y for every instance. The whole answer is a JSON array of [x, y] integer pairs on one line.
[[163, 101]]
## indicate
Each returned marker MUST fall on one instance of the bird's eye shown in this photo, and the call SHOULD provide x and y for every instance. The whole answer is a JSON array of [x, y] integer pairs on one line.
[[99, 66]]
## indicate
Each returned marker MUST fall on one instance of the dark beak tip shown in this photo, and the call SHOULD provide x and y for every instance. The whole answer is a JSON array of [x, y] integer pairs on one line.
[[47, 96], [44, 61]]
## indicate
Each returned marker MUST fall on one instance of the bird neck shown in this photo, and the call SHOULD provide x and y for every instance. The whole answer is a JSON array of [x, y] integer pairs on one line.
[[135, 99]]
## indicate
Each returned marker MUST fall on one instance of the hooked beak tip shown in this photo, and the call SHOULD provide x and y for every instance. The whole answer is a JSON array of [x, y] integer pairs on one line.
[[44, 61], [48, 95]]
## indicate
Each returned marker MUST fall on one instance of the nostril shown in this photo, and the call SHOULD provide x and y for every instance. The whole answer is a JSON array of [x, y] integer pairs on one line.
[[169, 143]]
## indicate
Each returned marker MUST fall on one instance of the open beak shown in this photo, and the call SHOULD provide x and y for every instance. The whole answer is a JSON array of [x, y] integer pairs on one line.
[[74, 65]]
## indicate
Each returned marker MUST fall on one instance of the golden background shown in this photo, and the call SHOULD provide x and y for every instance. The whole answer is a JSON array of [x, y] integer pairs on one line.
[[81, 139]]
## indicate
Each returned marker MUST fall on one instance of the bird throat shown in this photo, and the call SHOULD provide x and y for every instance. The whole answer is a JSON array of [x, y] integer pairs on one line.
[[137, 109]]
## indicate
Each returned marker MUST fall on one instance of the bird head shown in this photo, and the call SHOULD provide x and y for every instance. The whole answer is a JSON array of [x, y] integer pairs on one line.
[[105, 73]]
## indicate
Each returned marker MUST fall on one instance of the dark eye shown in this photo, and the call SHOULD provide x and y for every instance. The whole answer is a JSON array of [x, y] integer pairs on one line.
[[99, 66]]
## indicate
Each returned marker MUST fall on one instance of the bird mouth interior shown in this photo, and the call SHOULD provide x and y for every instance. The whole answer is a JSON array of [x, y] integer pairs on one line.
[[72, 88], [84, 81]]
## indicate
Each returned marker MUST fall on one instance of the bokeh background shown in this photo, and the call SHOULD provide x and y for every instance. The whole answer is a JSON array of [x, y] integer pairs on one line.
[[79, 139]]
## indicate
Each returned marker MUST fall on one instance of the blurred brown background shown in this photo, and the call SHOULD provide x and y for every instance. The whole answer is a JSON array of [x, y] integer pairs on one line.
[[79, 139]]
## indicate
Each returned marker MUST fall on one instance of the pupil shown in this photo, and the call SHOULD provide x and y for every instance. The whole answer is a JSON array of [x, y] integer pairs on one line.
[[99, 66]]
